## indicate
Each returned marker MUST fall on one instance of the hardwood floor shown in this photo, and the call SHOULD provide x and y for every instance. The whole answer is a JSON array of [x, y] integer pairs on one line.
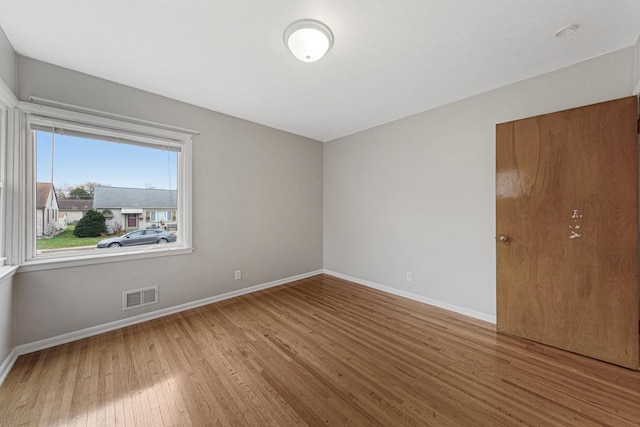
[[319, 351]]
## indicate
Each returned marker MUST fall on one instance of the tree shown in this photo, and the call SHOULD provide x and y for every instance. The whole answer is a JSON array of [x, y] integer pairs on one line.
[[90, 187], [118, 228], [79, 193], [90, 225], [63, 190]]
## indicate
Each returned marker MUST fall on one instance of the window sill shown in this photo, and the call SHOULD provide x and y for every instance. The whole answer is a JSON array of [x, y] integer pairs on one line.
[[92, 259], [7, 271]]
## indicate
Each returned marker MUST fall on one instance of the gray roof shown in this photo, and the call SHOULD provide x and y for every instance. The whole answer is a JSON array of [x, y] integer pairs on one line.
[[43, 189], [75, 204], [119, 197]]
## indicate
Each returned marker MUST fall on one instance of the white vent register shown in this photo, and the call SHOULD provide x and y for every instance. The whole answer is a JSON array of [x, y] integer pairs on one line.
[[139, 297]]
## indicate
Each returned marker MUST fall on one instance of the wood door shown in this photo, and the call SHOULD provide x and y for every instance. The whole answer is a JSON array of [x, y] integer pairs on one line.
[[132, 220], [567, 226]]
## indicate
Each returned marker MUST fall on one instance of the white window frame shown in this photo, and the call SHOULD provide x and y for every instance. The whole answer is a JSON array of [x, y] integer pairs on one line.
[[4, 133], [8, 102], [105, 125], [153, 215]]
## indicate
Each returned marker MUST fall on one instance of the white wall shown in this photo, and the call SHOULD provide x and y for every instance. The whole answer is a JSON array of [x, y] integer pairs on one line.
[[74, 216], [418, 194], [7, 76], [6, 318], [7, 62], [257, 207]]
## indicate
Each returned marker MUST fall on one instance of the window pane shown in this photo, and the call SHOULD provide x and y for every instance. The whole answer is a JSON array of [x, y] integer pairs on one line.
[[79, 175], [164, 216]]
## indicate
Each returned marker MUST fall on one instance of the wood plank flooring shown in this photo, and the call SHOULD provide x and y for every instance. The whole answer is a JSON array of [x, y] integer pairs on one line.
[[319, 351]]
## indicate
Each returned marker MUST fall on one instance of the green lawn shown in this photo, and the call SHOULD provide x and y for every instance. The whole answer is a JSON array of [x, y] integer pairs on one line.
[[66, 239]]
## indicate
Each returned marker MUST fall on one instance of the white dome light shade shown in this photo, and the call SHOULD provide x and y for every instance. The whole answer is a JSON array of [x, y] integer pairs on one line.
[[308, 40]]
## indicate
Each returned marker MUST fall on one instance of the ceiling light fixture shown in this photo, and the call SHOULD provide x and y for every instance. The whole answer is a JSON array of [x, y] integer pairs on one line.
[[308, 40], [565, 31]]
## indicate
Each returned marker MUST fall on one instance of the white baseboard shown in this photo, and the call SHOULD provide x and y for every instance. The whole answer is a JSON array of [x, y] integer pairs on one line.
[[100, 329], [445, 305], [7, 364]]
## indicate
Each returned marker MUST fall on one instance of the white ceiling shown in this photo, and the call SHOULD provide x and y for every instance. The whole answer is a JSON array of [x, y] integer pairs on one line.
[[390, 59]]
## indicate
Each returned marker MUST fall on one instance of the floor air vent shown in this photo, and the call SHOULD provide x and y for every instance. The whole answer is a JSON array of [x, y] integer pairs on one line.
[[139, 297]]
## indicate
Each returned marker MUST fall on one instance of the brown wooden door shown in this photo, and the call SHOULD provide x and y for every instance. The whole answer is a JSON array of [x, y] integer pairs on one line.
[[567, 226]]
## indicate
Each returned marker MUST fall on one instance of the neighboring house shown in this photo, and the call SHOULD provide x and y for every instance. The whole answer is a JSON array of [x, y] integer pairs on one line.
[[135, 208], [71, 210], [46, 209]]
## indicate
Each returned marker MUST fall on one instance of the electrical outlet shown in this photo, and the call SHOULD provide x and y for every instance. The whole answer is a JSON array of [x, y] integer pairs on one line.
[[238, 275], [409, 276]]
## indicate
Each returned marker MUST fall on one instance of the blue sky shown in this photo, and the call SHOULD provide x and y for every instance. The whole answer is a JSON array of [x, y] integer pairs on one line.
[[81, 160]]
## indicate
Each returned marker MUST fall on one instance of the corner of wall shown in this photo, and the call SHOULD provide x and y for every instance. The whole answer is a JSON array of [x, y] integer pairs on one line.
[[8, 63], [8, 353]]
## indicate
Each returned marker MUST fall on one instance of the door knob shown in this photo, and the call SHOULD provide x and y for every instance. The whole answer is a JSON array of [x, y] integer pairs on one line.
[[503, 238]]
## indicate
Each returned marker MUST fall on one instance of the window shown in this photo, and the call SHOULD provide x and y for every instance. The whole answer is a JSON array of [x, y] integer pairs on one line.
[[9, 217], [85, 166], [164, 216], [87, 173]]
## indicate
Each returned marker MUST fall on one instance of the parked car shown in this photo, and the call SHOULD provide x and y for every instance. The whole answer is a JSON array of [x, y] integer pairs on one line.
[[139, 237]]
